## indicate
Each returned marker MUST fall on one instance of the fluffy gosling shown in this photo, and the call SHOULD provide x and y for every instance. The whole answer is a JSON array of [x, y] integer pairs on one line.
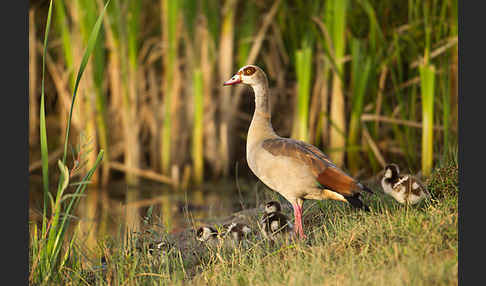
[[274, 222], [405, 189]]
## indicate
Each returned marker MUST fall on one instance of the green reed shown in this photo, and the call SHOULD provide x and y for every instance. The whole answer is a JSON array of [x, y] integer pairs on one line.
[[48, 245], [197, 133], [67, 47], [427, 80], [360, 70], [335, 14], [392, 40], [97, 116], [248, 26], [301, 36], [303, 65], [131, 33], [170, 17]]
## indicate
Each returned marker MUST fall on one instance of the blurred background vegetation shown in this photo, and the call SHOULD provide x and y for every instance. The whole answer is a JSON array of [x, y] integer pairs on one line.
[[367, 81]]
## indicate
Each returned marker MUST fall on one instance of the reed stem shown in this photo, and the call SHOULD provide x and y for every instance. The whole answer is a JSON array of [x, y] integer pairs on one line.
[[361, 67], [303, 64], [169, 15], [427, 78], [336, 10], [197, 135]]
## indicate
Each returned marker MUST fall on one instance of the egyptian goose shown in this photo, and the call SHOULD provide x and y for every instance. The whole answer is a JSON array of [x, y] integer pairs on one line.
[[274, 222], [405, 189], [295, 169]]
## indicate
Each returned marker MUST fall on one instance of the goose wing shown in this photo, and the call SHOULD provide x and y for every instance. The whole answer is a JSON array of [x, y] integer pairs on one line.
[[327, 174]]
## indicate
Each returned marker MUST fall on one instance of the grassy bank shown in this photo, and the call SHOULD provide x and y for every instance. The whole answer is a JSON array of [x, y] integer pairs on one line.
[[391, 245]]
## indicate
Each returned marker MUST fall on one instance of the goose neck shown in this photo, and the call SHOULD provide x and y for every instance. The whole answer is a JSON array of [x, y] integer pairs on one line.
[[262, 106], [261, 126]]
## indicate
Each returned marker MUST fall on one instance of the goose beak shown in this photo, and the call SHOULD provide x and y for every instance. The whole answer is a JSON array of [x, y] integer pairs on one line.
[[234, 80]]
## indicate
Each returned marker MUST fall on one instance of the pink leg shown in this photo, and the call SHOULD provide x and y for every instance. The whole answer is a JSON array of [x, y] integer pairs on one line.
[[298, 221]]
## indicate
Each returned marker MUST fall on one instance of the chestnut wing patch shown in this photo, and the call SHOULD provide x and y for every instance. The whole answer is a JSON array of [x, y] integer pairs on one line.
[[338, 181], [325, 171]]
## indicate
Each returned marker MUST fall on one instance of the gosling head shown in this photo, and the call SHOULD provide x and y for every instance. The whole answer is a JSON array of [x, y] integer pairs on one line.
[[249, 74], [206, 233], [272, 206], [391, 171]]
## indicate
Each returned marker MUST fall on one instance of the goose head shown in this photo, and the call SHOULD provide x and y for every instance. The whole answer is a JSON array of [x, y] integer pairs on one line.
[[249, 74], [391, 171]]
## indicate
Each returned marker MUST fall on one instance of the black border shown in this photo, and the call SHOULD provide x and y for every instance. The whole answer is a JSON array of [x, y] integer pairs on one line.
[[471, 108], [15, 151]]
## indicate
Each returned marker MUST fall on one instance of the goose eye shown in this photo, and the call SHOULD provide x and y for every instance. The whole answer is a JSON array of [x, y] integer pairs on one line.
[[249, 71]]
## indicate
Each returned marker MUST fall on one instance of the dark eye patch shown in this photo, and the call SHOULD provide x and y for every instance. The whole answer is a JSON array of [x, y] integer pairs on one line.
[[249, 70]]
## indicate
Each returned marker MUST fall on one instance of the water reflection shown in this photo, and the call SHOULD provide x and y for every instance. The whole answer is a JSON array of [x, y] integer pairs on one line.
[[88, 211], [131, 210], [122, 208]]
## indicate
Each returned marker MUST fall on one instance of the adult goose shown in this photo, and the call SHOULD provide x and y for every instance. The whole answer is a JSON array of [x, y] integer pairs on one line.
[[295, 169]]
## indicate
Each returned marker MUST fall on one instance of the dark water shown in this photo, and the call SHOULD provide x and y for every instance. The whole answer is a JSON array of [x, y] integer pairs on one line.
[[108, 212]]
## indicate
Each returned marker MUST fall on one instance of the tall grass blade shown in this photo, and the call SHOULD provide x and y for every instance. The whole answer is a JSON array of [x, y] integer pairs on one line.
[[59, 234], [49, 255], [89, 49], [42, 124], [95, 106]]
